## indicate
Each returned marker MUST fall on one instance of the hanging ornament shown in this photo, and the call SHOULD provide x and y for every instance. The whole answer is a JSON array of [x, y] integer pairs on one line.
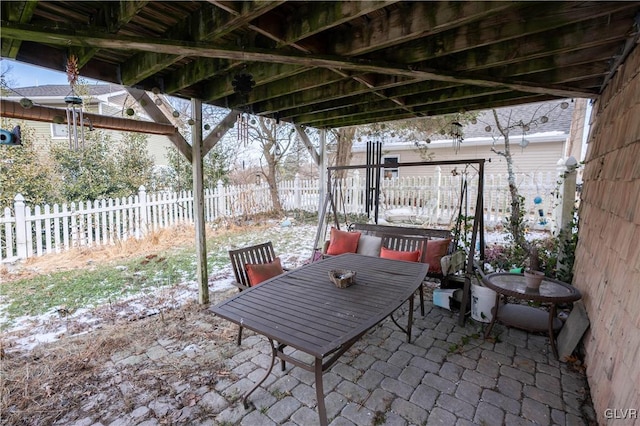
[[524, 142], [487, 129], [75, 121], [191, 122], [564, 105], [130, 111], [456, 135], [207, 126], [72, 70], [544, 119], [243, 128], [175, 113], [26, 103], [242, 85]]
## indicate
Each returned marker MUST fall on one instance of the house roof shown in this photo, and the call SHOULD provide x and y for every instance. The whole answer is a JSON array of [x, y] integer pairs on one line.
[[559, 120], [556, 128], [333, 64], [62, 90]]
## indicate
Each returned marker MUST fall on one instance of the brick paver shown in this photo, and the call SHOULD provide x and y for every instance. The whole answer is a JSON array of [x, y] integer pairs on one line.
[[433, 380]]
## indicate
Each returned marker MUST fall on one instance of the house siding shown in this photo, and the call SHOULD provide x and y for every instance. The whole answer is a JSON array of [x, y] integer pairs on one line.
[[541, 157], [607, 267], [156, 144]]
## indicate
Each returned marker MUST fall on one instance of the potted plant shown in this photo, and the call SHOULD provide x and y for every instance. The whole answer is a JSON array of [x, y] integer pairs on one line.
[[533, 275]]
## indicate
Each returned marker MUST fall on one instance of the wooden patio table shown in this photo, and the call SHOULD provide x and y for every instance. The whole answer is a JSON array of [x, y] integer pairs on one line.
[[304, 310]]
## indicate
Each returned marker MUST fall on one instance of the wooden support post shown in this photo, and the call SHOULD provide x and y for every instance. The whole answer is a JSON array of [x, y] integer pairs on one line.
[[198, 202]]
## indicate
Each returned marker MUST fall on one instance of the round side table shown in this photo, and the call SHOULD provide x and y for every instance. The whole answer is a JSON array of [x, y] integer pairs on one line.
[[525, 317]]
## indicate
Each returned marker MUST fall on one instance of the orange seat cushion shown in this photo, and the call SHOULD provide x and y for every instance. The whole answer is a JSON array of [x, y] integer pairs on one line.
[[435, 250], [409, 256], [259, 272], [342, 242]]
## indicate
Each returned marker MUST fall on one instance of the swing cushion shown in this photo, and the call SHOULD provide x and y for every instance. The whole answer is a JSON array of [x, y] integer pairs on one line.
[[342, 242], [259, 272], [369, 245], [436, 248], [409, 256]]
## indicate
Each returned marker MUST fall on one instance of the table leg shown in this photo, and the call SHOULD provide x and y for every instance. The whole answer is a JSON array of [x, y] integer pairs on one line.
[[322, 410], [552, 339], [273, 361], [410, 320]]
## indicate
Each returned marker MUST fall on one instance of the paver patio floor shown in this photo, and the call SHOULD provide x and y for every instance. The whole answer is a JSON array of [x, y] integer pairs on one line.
[[447, 375]]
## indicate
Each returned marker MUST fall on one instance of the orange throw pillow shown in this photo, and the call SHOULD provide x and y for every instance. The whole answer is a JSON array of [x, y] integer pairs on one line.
[[259, 272], [409, 256], [342, 242], [435, 250]]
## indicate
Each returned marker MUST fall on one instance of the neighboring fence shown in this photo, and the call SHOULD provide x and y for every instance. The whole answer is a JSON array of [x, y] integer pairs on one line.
[[27, 232]]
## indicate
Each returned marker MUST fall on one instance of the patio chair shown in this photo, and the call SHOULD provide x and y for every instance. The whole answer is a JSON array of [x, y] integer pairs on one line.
[[254, 264], [409, 248]]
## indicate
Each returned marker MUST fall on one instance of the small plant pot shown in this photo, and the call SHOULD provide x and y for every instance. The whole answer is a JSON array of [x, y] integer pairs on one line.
[[342, 278], [533, 279]]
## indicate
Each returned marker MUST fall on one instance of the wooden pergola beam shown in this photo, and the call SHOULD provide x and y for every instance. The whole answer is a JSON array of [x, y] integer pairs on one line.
[[10, 109], [157, 115]]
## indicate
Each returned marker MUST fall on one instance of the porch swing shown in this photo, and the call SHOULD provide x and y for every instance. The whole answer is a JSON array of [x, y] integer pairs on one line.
[[459, 265]]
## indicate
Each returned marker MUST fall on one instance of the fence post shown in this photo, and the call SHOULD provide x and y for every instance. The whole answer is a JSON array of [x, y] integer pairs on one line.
[[21, 226], [222, 203], [297, 203], [438, 182], [142, 199]]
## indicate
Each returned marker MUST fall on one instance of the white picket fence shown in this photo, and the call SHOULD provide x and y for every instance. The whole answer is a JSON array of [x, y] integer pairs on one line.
[[27, 232]]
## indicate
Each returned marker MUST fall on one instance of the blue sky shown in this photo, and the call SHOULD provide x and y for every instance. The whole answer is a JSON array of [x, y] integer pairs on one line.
[[24, 75]]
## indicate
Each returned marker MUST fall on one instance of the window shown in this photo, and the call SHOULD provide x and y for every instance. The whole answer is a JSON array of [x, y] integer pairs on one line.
[[59, 131], [390, 172]]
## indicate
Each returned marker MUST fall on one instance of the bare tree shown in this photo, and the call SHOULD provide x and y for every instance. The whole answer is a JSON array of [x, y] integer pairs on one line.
[[515, 223], [274, 141], [344, 144]]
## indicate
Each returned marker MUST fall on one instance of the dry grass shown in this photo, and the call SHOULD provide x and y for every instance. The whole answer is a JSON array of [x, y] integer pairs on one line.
[[63, 381], [157, 241], [181, 236], [78, 376]]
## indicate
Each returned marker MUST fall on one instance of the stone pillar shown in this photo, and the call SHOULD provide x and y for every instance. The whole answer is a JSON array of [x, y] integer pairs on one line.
[[565, 208]]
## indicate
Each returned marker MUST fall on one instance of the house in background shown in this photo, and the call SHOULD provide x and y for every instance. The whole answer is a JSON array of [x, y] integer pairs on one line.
[[103, 99], [546, 143]]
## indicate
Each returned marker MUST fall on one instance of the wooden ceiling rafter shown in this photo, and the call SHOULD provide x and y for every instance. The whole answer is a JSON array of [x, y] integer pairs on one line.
[[77, 38], [334, 63]]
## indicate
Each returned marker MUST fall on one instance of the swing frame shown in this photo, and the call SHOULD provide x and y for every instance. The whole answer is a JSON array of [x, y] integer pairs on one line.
[[373, 171]]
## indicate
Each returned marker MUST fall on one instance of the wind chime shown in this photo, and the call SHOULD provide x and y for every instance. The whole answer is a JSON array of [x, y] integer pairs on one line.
[[242, 85], [75, 117], [456, 135]]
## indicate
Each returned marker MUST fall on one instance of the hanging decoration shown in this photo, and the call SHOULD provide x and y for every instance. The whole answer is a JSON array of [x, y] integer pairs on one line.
[[456, 135], [524, 142], [74, 110], [242, 86], [243, 129], [538, 202], [11, 138]]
